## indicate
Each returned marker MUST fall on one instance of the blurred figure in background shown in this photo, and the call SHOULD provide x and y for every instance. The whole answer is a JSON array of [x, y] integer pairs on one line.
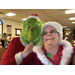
[[70, 38], [3, 39]]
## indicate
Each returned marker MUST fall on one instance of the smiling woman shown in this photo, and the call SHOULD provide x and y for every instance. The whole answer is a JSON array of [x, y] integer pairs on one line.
[[56, 50]]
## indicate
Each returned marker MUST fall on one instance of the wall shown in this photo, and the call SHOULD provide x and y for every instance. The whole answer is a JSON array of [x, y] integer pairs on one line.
[[14, 24]]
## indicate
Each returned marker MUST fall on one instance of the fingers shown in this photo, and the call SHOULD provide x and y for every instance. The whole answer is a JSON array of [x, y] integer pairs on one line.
[[31, 45], [27, 50]]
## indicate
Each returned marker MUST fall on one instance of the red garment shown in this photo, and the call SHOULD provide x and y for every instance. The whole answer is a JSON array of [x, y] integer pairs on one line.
[[56, 59], [16, 46], [73, 49]]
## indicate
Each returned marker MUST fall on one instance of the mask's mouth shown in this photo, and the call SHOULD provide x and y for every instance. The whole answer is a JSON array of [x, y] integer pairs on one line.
[[30, 36]]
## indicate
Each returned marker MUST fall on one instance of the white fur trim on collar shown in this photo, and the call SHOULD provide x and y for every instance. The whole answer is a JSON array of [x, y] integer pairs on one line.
[[66, 53], [24, 44]]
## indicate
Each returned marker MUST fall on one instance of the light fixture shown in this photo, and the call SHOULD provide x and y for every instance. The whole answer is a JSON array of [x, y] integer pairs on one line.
[[24, 19], [10, 14], [73, 22], [64, 26], [73, 18], [69, 11], [67, 29]]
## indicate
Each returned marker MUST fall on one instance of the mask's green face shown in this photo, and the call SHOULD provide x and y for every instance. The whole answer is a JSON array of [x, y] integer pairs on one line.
[[31, 29]]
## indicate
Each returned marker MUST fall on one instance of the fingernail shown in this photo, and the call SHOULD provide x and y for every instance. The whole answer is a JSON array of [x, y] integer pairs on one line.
[[31, 42]]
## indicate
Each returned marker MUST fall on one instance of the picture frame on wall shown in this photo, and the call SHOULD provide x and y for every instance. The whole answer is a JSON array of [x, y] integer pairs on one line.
[[9, 30]]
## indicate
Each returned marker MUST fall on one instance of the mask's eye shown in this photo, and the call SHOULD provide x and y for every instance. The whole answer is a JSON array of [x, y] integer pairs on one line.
[[35, 28], [28, 27]]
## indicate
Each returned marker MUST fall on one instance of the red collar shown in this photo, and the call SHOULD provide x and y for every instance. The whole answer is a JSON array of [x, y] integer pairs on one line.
[[57, 57]]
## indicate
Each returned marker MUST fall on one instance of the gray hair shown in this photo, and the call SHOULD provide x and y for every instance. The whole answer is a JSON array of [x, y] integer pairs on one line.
[[55, 25]]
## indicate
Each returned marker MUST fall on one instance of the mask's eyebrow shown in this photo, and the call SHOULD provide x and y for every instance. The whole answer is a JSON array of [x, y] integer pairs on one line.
[[28, 23], [35, 25]]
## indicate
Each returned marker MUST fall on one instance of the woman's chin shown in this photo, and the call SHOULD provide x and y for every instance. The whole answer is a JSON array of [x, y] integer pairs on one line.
[[49, 43]]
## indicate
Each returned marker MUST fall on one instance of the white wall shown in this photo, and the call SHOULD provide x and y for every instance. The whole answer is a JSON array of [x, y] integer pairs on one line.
[[14, 24]]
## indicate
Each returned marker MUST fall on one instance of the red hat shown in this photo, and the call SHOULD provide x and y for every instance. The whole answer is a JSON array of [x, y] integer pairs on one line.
[[34, 16]]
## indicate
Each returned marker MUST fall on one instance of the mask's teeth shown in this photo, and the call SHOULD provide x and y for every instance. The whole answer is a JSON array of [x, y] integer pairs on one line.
[[30, 36]]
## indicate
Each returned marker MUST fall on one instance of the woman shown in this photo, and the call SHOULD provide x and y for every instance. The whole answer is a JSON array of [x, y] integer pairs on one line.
[[56, 50], [53, 50]]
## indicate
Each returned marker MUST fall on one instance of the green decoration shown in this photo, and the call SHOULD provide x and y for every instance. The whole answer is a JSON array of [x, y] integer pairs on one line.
[[48, 55]]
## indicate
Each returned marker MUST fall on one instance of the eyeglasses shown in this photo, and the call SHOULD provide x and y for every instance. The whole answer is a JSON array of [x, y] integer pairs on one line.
[[52, 32]]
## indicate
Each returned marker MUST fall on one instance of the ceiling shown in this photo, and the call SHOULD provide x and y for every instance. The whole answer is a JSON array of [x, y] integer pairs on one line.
[[45, 15]]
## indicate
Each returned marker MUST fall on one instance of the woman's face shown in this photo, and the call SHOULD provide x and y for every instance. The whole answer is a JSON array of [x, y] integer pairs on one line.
[[50, 36]]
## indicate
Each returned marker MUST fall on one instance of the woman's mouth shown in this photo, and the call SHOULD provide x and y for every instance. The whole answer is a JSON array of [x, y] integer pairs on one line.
[[50, 39]]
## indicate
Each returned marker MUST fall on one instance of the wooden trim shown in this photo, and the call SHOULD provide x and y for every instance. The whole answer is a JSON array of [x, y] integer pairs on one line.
[[2, 26], [2, 50]]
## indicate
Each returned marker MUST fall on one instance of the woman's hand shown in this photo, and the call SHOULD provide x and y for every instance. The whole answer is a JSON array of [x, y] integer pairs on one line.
[[27, 50]]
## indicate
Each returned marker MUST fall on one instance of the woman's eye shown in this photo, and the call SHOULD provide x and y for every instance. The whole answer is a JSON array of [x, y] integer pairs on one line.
[[53, 32], [44, 33]]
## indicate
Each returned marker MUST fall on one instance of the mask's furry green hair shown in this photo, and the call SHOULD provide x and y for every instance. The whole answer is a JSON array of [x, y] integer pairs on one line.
[[24, 39]]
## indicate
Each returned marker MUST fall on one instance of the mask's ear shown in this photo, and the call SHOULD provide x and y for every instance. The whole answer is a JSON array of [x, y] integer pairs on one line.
[[40, 23], [23, 24]]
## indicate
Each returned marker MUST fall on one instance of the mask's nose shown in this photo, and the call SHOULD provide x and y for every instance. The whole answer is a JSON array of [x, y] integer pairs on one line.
[[31, 29]]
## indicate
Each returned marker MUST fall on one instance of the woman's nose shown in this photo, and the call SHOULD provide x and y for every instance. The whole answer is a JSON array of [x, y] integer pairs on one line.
[[48, 33]]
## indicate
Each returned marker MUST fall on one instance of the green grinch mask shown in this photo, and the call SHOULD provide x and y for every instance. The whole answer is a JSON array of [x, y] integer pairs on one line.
[[31, 31]]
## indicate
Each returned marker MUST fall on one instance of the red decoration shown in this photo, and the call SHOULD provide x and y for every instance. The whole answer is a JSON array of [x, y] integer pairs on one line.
[[60, 53], [55, 57], [34, 14], [56, 62]]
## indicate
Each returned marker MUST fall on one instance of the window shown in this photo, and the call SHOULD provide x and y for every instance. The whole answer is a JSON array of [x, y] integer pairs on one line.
[[17, 31], [1, 27]]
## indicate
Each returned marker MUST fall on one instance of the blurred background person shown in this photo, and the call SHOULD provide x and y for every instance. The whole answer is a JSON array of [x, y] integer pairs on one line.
[[3, 39]]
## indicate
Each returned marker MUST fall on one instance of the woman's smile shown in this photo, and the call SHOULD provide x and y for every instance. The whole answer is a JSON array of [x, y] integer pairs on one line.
[[49, 39]]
